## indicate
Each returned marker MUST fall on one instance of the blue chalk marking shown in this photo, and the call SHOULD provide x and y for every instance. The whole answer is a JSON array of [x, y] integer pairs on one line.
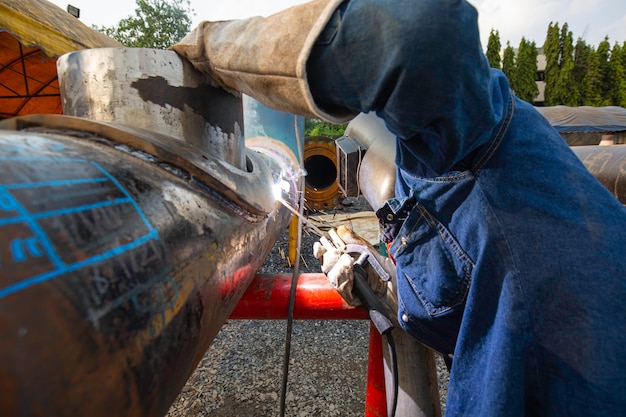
[[123, 190], [6, 203], [22, 285], [9, 203], [55, 183], [40, 235], [19, 247], [70, 210]]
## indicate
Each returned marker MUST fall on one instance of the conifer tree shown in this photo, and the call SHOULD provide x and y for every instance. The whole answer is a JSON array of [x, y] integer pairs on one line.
[[525, 86], [617, 77], [508, 62], [603, 52], [493, 49], [592, 82], [552, 52], [582, 52], [566, 91]]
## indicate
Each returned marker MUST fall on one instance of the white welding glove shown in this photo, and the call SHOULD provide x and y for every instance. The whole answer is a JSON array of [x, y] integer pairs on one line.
[[337, 264]]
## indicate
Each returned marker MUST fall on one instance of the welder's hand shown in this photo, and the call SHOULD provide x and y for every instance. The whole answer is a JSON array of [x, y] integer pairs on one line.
[[337, 264]]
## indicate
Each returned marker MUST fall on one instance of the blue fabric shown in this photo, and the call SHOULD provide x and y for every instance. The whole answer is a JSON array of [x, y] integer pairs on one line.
[[509, 253]]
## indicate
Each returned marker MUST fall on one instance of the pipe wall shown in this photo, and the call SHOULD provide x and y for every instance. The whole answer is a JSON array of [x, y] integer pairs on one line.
[[119, 263]]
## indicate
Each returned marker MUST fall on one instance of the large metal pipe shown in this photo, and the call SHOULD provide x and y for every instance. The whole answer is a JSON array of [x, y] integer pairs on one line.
[[155, 90], [608, 165], [119, 267], [123, 251]]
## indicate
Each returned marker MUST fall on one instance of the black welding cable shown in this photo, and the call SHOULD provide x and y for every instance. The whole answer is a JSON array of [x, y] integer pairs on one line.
[[294, 280]]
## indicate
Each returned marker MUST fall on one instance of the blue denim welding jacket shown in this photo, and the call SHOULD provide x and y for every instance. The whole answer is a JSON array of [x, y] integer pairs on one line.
[[509, 253]]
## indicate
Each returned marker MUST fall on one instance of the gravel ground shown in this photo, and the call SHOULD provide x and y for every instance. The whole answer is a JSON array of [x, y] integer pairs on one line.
[[241, 373]]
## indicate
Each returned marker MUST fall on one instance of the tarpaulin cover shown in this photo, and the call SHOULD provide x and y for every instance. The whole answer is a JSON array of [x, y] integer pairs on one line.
[[585, 119], [33, 33]]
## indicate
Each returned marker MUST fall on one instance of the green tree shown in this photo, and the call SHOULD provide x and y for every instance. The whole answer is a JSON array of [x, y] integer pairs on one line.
[[508, 62], [552, 52], [582, 52], [592, 82], [603, 52], [156, 24], [525, 86], [316, 127], [617, 76], [493, 49], [566, 89]]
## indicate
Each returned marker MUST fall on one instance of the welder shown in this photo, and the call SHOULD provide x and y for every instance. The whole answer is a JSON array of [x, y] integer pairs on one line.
[[507, 251]]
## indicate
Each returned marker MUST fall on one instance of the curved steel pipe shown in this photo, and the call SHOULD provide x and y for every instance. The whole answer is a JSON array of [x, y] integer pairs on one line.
[[155, 90], [123, 253], [377, 172], [608, 165]]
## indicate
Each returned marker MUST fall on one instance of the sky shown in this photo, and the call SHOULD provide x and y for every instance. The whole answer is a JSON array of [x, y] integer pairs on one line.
[[591, 20]]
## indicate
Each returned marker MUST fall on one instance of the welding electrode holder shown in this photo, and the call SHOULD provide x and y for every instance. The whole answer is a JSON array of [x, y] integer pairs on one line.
[[374, 306]]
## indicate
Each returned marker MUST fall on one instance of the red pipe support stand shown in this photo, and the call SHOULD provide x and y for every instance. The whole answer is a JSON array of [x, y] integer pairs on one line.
[[267, 298]]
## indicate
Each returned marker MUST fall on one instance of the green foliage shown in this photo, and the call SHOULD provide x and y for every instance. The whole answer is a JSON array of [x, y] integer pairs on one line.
[[508, 62], [575, 75], [617, 76], [316, 127], [592, 82], [582, 52], [156, 24], [565, 89], [552, 52], [493, 49], [603, 52], [524, 83]]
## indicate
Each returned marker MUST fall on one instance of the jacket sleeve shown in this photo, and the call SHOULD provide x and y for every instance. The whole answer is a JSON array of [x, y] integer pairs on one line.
[[419, 65]]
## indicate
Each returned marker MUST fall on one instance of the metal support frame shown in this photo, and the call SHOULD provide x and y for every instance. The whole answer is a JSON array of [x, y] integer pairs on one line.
[[267, 298]]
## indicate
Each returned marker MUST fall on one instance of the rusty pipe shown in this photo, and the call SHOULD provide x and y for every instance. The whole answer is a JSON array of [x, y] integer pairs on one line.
[[128, 233], [123, 253]]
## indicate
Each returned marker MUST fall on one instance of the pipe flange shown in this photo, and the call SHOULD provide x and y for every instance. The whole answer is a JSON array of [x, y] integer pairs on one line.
[[320, 162]]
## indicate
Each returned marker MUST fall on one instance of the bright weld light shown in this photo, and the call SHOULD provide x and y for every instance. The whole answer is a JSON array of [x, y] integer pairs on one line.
[[279, 188]]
